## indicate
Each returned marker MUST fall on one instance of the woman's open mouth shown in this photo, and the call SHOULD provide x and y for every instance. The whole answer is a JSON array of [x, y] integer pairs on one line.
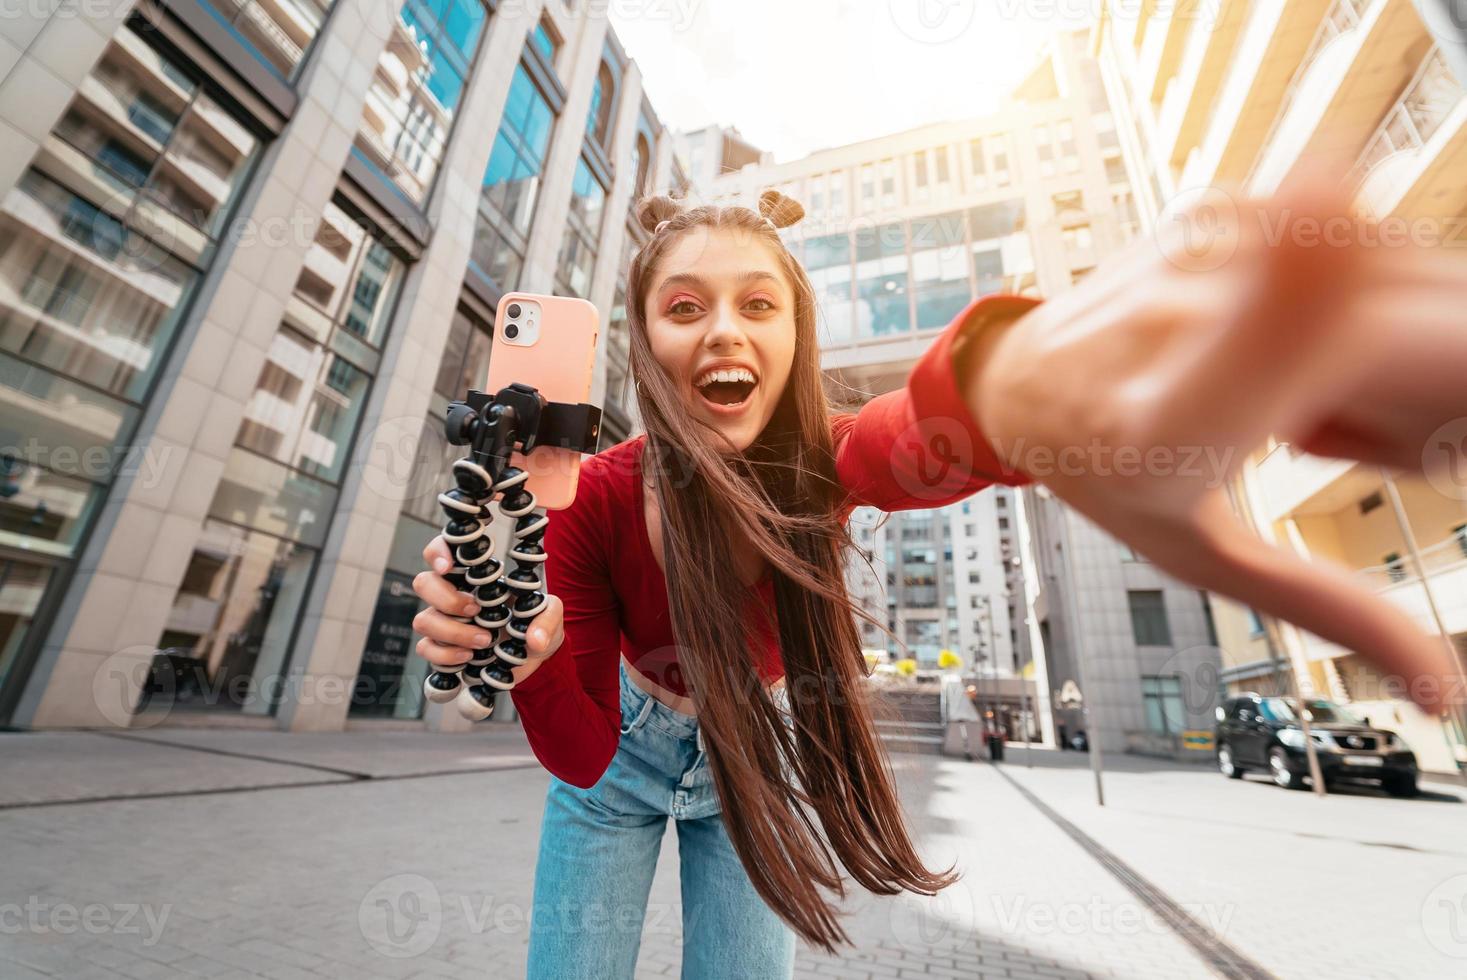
[[726, 389]]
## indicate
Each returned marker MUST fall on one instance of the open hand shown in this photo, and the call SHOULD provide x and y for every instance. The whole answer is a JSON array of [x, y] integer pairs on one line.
[[1334, 342]]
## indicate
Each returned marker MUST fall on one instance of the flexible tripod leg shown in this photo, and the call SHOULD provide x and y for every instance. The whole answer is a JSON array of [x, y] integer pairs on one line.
[[507, 601]]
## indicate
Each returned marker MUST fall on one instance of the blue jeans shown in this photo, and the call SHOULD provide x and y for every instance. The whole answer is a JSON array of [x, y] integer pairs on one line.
[[598, 851]]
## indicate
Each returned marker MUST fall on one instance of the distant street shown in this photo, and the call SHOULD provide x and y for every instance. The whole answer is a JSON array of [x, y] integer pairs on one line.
[[398, 855]]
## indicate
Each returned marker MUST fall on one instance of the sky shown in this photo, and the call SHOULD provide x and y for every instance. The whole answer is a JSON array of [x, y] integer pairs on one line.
[[795, 76]]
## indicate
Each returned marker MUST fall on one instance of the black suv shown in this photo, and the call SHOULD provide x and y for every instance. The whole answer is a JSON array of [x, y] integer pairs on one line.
[[1263, 733]]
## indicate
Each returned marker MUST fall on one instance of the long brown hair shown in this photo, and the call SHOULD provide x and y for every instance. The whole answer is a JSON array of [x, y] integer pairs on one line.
[[805, 799]]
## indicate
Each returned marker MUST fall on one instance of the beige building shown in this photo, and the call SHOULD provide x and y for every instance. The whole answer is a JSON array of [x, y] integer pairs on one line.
[[1240, 95], [248, 253]]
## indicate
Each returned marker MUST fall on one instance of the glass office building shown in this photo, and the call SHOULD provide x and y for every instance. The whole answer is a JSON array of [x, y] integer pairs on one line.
[[231, 322]]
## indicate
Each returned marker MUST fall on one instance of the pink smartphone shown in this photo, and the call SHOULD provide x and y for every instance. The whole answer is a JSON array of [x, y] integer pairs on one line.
[[548, 342]]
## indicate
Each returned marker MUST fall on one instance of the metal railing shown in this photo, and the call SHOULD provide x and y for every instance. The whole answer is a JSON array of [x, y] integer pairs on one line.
[[1444, 556], [1340, 19], [1415, 118]]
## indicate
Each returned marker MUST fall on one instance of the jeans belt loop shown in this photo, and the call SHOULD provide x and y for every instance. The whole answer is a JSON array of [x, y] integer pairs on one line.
[[641, 715]]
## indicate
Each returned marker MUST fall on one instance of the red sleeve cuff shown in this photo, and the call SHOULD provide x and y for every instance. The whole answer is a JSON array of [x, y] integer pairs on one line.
[[557, 672], [937, 395]]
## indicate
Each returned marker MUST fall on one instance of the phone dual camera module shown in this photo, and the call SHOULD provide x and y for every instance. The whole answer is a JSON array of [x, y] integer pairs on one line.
[[521, 323]]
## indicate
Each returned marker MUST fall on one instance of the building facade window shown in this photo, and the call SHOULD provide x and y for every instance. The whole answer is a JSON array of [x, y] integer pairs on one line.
[[1161, 697], [1149, 626], [882, 306], [512, 182], [546, 40], [582, 232], [102, 245], [416, 89], [277, 34], [828, 264], [939, 269], [233, 618], [603, 102]]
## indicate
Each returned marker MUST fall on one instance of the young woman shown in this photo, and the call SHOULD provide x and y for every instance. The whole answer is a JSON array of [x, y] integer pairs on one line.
[[701, 660]]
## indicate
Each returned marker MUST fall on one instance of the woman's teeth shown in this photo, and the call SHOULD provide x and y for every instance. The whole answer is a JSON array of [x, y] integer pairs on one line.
[[726, 386], [725, 374]]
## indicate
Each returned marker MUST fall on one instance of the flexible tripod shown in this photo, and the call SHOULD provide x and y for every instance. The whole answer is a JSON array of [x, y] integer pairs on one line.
[[516, 418]]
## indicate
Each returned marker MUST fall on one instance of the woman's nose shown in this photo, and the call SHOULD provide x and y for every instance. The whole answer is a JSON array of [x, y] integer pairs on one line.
[[724, 332]]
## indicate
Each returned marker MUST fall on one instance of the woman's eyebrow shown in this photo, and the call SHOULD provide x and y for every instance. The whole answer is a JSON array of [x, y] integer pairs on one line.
[[696, 281]]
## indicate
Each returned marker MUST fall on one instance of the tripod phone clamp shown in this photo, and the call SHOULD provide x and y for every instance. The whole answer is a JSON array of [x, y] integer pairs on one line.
[[517, 418]]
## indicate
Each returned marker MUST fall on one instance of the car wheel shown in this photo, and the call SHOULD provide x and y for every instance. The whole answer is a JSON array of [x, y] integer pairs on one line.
[[1401, 785], [1225, 763], [1283, 775]]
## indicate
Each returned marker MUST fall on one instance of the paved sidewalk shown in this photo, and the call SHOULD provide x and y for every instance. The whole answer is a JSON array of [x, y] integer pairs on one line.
[[402, 855]]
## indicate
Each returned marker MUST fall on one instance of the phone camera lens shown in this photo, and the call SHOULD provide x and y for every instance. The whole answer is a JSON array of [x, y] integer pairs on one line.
[[513, 311], [511, 331]]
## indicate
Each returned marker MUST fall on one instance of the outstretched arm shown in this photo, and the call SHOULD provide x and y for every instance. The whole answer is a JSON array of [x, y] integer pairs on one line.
[[919, 446]]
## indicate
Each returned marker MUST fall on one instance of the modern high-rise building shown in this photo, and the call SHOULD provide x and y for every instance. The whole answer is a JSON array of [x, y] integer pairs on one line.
[[901, 233], [248, 253], [1241, 95]]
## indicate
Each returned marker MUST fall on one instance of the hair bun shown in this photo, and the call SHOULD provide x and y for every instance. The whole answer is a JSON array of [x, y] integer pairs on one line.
[[780, 210], [652, 211]]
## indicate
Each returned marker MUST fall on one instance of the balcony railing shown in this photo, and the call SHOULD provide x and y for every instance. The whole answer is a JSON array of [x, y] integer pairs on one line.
[[1415, 119], [1444, 556], [1342, 17]]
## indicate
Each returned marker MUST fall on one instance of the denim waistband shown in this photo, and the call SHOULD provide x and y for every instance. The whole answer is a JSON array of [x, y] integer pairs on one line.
[[639, 707]]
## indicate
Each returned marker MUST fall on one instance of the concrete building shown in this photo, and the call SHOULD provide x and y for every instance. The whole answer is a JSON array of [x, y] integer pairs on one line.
[[247, 254], [1241, 95]]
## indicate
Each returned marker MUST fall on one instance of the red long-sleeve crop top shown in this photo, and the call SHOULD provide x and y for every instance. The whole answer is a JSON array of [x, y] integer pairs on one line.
[[916, 447]]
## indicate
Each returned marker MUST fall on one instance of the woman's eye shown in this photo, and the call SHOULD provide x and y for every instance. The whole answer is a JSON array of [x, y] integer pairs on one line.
[[759, 305], [683, 307]]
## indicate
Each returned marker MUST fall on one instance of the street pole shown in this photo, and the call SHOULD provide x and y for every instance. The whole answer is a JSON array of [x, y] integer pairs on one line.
[[1404, 523], [1023, 705], [1072, 613]]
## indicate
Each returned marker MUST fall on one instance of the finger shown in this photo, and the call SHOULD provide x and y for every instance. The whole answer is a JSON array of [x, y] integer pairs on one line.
[[450, 632], [440, 593], [547, 629], [440, 655], [1221, 555], [437, 555]]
